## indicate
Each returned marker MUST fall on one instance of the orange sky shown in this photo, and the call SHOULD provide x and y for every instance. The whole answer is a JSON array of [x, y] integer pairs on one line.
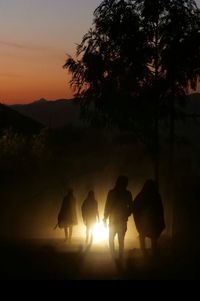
[[35, 36], [29, 76]]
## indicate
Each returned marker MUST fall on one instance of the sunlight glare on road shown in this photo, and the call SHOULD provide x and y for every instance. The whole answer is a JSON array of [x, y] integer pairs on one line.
[[100, 232]]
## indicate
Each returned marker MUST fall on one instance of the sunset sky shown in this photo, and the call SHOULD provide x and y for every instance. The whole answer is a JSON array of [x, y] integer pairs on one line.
[[35, 36]]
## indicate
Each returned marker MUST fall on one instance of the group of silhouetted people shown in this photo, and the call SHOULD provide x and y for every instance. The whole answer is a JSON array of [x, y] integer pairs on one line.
[[147, 210]]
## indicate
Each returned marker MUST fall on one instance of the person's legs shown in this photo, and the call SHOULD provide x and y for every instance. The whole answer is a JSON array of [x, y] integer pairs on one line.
[[112, 233], [66, 234], [154, 245], [70, 233], [91, 236], [121, 235], [142, 243], [87, 234], [121, 244]]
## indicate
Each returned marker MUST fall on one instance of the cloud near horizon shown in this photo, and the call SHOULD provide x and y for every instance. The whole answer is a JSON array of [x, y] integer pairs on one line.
[[22, 46]]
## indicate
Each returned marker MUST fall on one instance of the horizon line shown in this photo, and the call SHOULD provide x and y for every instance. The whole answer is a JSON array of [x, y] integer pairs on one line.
[[8, 103]]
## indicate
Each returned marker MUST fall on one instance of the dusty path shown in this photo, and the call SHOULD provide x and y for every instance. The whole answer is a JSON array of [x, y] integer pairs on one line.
[[53, 259]]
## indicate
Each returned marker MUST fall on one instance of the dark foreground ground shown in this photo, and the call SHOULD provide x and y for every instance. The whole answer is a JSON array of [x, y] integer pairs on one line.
[[53, 259]]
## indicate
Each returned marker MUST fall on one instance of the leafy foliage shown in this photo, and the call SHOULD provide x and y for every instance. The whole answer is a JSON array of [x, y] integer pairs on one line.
[[137, 54]]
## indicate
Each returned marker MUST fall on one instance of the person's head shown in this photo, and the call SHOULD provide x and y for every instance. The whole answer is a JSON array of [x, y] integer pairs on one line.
[[70, 191], [150, 186], [91, 194], [121, 183]]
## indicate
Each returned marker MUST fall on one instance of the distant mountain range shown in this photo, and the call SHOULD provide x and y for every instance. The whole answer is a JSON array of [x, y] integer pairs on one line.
[[10, 118], [53, 114], [62, 112], [59, 113]]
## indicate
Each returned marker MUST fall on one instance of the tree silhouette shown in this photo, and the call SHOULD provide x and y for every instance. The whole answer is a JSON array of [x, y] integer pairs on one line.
[[139, 57], [108, 68]]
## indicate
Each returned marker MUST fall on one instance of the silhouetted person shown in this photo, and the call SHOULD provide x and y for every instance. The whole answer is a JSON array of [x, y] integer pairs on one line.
[[118, 209], [67, 217], [90, 215], [149, 214]]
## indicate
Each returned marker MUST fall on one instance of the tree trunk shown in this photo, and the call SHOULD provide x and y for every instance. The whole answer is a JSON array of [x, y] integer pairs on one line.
[[156, 140], [156, 145], [171, 162]]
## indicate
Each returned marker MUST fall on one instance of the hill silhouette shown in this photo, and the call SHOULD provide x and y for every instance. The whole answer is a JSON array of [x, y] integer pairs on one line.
[[62, 112], [9, 118], [53, 114]]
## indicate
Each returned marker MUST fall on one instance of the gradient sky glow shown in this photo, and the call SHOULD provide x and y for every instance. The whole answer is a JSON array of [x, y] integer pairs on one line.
[[35, 36]]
